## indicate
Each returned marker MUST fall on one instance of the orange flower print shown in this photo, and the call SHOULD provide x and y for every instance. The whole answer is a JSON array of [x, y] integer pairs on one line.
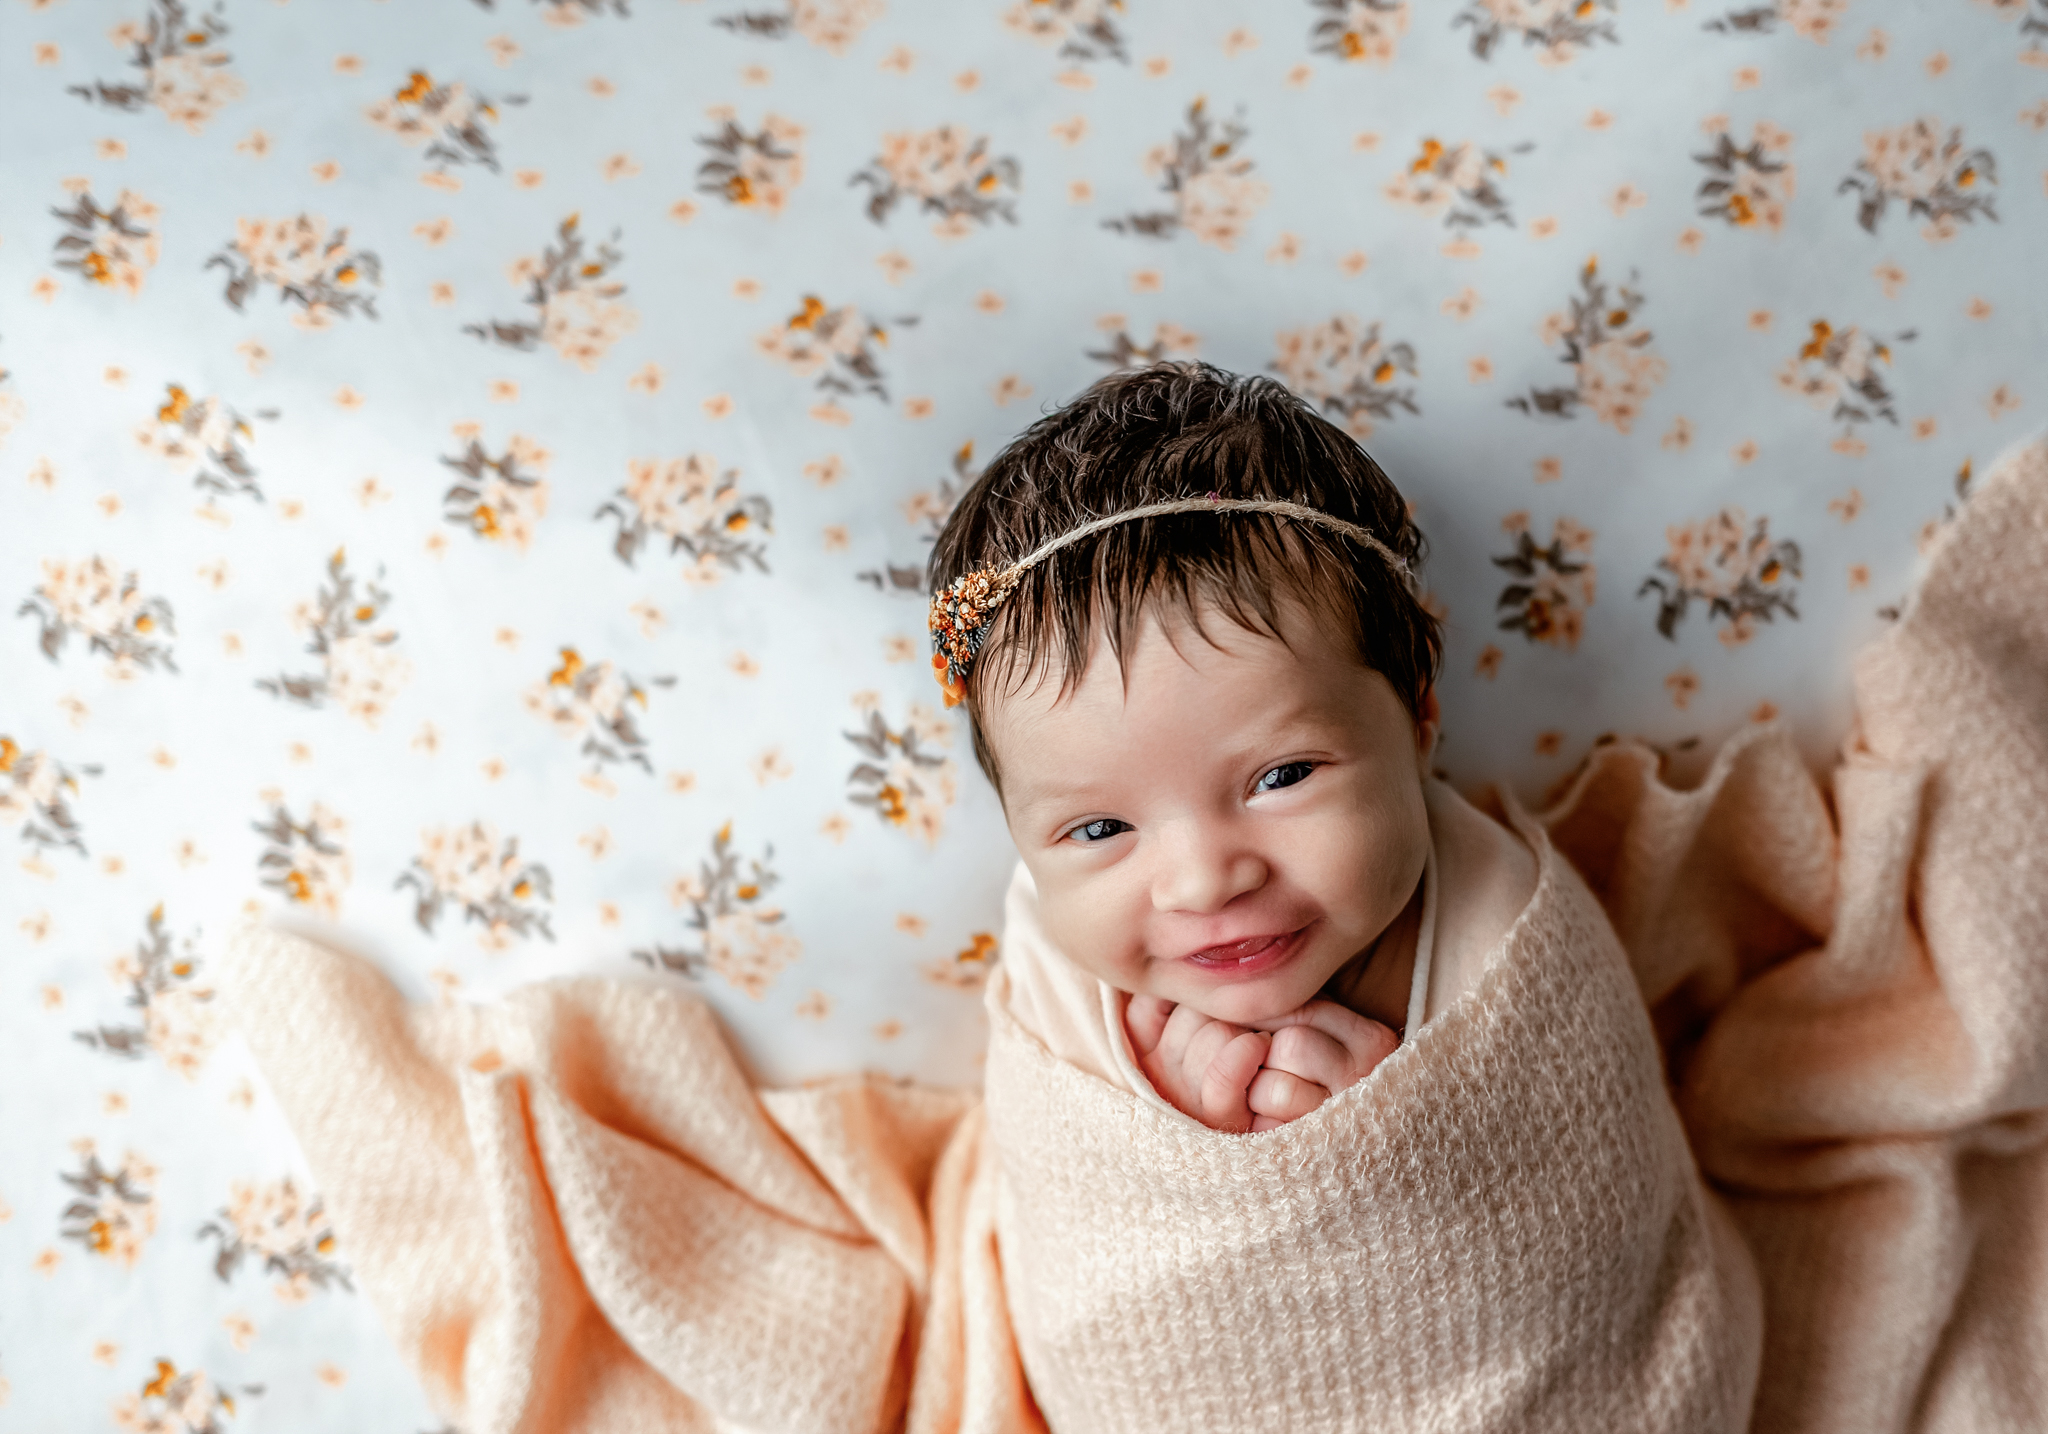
[[595, 701], [698, 508], [1344, 366], [178, 1020], [927, 511], [175, 1402], [285, 1229], [1560, 28], [1366, 31], [115, 1212], [114, 247], [947, 172], [1459, 181], [499, 499], [1734, 568], [1551, 585], [204, 439], [1213, 189], [1936, 178], [1843, 369], [106, 608], [831, 25], [1816, 20], [306, 860], [737, 933], [1124, 351], [575, 302], [448, 118], [968, 968], [755, 170], [1083, 29], [839, 347], [307, 263], [35, 792], [12, 409], [361, 674], [1748, 186], [184, 69], [469, 866], [900, 776], [1609, 354]]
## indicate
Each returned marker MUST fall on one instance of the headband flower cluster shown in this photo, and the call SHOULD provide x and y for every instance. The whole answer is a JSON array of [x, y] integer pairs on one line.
[[963, 612]]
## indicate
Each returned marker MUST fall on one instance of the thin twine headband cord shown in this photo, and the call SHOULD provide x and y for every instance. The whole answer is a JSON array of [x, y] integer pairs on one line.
[[963, 612], [1212, 503]]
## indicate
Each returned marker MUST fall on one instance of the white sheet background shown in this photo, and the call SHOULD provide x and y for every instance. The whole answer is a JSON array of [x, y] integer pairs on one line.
[[1332, 210]]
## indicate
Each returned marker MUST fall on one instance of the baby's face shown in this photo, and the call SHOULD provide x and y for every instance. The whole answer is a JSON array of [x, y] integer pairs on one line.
[[1220, 826]]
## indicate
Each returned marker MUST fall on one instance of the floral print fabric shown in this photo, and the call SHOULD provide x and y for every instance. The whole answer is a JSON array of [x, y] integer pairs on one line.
[[471, 468]]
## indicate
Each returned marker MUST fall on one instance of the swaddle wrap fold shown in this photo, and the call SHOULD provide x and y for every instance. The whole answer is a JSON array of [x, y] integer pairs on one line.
[[1500, 1228]]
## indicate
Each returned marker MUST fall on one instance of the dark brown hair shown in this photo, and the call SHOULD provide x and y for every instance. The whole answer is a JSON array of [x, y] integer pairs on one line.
[[1171, 431]]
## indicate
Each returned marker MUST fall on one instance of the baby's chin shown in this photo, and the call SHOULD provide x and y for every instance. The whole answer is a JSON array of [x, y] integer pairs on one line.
[[1249, 1003]]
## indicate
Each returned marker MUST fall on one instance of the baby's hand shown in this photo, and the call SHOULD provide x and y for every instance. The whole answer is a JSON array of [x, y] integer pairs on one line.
[[1205, 1068], [1317, 1050]]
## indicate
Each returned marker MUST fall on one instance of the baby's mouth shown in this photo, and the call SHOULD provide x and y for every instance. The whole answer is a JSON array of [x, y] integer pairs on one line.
[[1253, 956]]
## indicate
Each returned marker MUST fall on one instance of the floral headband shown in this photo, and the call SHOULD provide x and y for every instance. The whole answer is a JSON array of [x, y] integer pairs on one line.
[[963, 612]]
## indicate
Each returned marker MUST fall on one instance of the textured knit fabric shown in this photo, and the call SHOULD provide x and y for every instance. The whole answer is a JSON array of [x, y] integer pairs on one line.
[[1870, 967], [575, 1215]]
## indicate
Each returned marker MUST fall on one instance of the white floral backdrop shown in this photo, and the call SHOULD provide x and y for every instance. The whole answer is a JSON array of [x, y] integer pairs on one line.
[[467, 467]]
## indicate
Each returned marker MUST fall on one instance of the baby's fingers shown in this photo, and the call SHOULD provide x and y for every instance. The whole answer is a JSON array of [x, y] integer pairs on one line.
[[1366, 1042], [1227, 1079], [1145, 1020], [1281, 1097]]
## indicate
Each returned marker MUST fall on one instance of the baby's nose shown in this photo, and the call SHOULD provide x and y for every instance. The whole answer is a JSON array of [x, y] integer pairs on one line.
[[1203, 873]]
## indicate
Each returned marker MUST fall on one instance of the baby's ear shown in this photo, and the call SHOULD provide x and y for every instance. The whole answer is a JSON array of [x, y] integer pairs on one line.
[[1428, 724]]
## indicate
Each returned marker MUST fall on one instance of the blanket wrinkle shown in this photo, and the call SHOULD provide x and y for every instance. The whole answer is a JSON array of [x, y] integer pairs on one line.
[[573, 1213]]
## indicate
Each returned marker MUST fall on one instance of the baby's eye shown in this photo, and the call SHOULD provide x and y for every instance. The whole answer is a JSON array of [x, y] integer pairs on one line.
[[1101, 829], [1284, 775]]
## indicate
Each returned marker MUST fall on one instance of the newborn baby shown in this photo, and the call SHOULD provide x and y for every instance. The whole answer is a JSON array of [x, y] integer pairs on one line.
[[1316, 1099], [1212, 737]]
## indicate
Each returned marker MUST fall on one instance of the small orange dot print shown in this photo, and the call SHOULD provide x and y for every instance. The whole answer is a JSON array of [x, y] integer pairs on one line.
[[647, 379], [1936, 65], [1238, 41], [899, 61], [504, 390], [683, 211], [348, 64], [1849, 445], [1549, 470], [1679, 435], [1479, 368], [603, 88], [111, 148], [1875, 46], [888, 1030], [1353, 264], [331, 1375], [1690, 240], [48, 54], [1504, 98], [1488, 665], [1599, 119], [1683, 685], [1543, 226], [1891, 279], [718, 406], [911, 924], [830, 413], [836, 538], [1549, 744], [835, 828], [920, 407], [1298, 78], [441, 293], [1745, 451], [1747, 78], [1071, 131], [898, 648], [817, 1005], [1848, 506], [1366, 141], [756, 75], [1147, 281], [1074, 80], [1979, 309], [967, 81], [2003, 400], [1008, 389], [1859, 577], [1286, 249], [1925, 427], [327, 171], [1760, 319], [988, 301], [1764, 711], [1157, 67], [743, 665]]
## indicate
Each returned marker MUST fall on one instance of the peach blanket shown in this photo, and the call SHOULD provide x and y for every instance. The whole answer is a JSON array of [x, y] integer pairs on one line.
[[574, 1214]]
